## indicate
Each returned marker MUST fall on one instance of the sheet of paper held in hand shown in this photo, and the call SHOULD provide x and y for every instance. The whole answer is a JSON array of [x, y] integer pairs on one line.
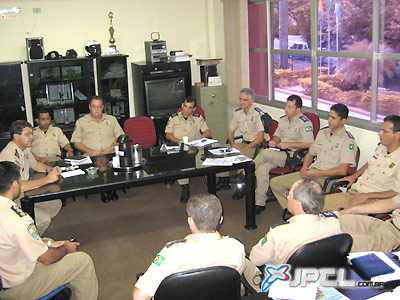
[[201, 143]]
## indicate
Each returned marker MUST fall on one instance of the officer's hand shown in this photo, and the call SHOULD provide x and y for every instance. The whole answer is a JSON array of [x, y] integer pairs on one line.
[[69, 154], [350, 179], [93, 152], [107, 150], [53, 175], [359, 198], [282, 145], [71, 246], [56, 244], [304, 172], [236, 147], [396, 244], [272, 144]]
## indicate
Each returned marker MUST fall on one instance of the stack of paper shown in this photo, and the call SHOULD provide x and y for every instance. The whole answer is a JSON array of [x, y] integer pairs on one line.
[[201, 143], [77, 162], [223, 151], [226, 161]]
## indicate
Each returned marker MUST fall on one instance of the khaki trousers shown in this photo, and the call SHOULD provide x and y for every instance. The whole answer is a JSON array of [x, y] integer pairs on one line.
[[76, 268], [265, 161], [369, 234], [339, 200]]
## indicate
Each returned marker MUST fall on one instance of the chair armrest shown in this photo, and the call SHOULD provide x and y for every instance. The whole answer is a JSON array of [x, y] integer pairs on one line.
[[338, 184], [235, 138], [328, 180]]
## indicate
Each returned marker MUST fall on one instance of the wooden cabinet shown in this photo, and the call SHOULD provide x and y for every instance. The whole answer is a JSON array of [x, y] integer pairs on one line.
[[212, 99]]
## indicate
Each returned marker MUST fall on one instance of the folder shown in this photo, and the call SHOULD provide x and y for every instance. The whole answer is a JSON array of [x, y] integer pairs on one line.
[[371, 265]]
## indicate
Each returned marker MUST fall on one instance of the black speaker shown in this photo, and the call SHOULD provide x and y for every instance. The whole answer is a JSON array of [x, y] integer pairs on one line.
[[34, 48], [207, 71]]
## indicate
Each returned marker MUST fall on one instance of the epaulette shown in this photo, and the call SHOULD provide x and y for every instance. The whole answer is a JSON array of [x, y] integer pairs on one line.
[[234, 238], [326, 127], [174, 115], [304, 119], [259, 110], [18, 211], [328, 214], [196, 115], [237, 109], [350, 135], [16, 153], [175, 242], [282, 116], [276, 225]]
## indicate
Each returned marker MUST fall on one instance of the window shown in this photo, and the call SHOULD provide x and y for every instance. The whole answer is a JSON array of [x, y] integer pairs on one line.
[[327, 51]]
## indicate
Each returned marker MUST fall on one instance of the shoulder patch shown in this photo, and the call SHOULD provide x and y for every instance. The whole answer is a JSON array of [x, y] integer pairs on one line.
[[276, 225], [158, 260], [264, 240], [326, 127], [282, 116], [328, 214], [174, 115], [259, 110], [237, 109], [350, 135], [304, 119], [18, 211], [175, 242], [16, 153], [196, 115], [33, 232], [232, 237]]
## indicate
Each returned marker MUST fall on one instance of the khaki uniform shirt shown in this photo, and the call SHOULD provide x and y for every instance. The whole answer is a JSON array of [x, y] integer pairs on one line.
[[300, 129], [20, 244], [195, 251], [96, 135], [382, 174], [48, 143], [284, 239], [190, 127], [248, 124], [24, 159], [333, 150]]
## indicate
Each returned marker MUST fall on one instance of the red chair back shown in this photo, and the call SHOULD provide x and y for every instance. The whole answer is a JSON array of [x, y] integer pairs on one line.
[[314, 118], [197, 110], [352, 170], [141, 131], [272, 128]]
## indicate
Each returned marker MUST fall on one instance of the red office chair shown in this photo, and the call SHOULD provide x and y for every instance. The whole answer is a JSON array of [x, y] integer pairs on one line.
[[271, 132], [141, 131]]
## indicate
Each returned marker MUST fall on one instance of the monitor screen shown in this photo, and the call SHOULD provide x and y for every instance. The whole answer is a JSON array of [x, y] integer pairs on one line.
[[164, 96], [71, 73], [62, 92], [50, 74]]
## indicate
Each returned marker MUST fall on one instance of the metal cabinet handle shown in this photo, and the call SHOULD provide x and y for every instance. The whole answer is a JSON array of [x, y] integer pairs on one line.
[[213, 96]]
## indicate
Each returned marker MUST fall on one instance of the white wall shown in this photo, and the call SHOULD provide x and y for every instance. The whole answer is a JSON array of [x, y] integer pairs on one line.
[[367, 140], [195, 26]]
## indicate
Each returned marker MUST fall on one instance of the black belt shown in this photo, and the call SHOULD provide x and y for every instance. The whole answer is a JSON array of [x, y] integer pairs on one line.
[[3, 289], [391, 221]]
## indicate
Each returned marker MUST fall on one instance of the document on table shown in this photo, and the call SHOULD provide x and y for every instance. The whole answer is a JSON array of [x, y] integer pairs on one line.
[[72, 173], [226, 161], [223, 151], [77, 162], [201, 143], [381, 255]]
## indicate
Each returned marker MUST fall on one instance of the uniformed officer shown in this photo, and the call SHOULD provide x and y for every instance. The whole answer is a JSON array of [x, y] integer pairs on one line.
[[31, 268], [335, 149], [97, 132], [246, 119], [18, 151], [205, 247], [295, 131], [379, 178], [305, 201], [192, 125], [48, 139]]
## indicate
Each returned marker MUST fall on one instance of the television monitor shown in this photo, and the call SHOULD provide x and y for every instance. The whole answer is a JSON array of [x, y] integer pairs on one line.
[[164, 96], [57, 93], [50, 74], [70, 73]]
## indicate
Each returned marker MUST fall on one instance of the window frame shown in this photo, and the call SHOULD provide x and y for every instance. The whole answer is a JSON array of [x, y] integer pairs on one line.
[[375, 56]]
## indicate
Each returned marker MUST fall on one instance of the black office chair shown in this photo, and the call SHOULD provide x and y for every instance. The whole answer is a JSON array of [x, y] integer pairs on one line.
[[328, 252], [219, 283]]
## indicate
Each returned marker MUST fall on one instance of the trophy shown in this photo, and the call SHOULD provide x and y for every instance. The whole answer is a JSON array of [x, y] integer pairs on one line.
[[112, 49]]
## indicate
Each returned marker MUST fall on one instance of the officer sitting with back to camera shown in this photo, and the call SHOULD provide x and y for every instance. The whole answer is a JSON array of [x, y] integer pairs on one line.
[[252, 122], [30, 267], [204, 247], [48, 139], [18, 151], [186, 123], [305, 202]]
